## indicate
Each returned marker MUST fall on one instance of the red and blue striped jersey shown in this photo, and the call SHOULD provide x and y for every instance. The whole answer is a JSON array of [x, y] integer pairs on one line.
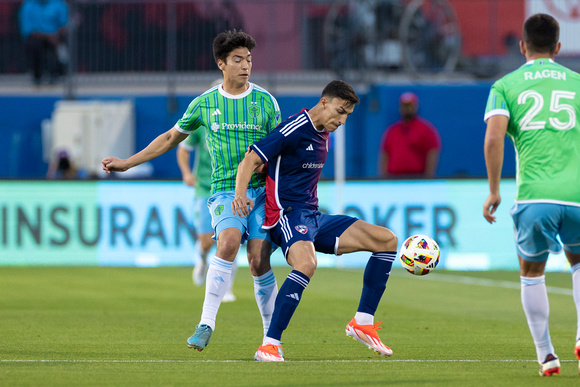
[[295, 152]]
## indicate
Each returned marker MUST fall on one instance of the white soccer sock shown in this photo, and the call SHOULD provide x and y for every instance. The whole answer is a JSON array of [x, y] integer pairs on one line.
[[269, 340], [233, 276], [364, 318], [576, 293], [537, 310], [266, 290], [217, 283]]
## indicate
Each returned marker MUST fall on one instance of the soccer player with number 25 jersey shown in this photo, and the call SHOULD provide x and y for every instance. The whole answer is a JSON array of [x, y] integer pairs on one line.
[[295, 152], [538, 107]]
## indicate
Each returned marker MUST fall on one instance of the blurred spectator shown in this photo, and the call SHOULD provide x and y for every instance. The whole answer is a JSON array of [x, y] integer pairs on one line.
[[61, 167], [410, 147], [43, 28]]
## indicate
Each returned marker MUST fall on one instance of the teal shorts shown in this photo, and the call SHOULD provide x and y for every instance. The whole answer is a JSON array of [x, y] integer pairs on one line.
[[201, 216], [537, 227], [222, 217]]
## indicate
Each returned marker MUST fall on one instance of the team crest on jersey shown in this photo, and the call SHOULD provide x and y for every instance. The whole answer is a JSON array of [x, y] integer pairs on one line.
[[219, 209], [254, 110], [302, 229]]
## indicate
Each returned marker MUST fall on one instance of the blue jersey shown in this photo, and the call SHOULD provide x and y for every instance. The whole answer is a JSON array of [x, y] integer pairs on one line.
[[295, 152]]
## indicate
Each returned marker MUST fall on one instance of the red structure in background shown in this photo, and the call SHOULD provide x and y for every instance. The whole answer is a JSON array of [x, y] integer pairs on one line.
[[485, 24]]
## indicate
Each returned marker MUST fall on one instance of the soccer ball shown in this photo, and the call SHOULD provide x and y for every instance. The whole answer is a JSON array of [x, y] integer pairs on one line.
[[419, 254]]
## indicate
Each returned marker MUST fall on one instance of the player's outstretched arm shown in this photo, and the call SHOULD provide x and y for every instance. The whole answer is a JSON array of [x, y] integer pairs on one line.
[[241, 203], [493, 151], [157, 147]]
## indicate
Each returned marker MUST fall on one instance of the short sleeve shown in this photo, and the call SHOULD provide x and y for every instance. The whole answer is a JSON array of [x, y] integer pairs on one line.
[[432, 138], [274, 115], [270, 146], [191, 119], [496, 102]]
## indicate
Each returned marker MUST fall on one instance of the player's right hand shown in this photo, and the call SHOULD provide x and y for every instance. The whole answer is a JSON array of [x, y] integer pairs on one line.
[[113, 164], [190, 180], [240, 206]]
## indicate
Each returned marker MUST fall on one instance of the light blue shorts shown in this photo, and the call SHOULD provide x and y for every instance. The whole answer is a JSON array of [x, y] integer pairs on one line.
[[201, 216], [538, 225], [222, 217]]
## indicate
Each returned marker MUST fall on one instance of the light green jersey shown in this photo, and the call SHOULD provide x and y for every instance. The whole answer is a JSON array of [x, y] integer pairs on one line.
[[542, 101], [202, 164], [233, 123]]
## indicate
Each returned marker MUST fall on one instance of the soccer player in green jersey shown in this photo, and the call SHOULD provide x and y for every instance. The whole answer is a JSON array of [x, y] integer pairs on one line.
[[235, 114], [538, 106], [200, 178]]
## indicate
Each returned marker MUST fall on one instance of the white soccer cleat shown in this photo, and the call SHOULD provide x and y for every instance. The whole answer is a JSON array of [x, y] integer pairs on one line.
[[269, 352], [367, 334], [550, 366], [199, 273]]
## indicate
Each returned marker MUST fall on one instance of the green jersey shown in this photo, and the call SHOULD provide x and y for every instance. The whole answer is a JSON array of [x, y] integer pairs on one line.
[[232, 123], [543, 106], [202, 163]]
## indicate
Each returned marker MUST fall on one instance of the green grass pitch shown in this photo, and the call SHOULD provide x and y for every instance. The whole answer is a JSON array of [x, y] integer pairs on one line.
[[128, 326]]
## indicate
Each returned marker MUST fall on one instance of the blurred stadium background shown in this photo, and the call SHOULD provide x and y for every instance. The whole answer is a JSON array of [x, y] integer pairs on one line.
[[134, 65]]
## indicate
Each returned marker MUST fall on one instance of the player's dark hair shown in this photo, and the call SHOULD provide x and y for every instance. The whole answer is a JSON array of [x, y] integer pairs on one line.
[[541, 33], [228, 41], [342, 90]]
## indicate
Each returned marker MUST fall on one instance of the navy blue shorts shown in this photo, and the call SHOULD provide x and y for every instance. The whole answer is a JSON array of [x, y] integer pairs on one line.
[[307, 225]]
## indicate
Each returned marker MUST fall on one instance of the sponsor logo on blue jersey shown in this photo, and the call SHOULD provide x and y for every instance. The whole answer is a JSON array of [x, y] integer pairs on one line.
[[313, 165]]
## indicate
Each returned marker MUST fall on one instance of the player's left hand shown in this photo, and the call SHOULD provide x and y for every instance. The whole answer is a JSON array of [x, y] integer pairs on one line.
[[490, 205]]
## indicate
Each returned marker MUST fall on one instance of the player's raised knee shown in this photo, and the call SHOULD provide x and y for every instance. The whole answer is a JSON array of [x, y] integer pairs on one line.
[[389, 240]]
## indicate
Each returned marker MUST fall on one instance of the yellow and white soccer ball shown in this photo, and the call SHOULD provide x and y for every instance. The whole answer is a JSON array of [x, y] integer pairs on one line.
[[419, 254]]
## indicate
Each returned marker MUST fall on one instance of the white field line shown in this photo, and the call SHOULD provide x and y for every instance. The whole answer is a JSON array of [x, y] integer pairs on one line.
[[487, 282], [287, 361]]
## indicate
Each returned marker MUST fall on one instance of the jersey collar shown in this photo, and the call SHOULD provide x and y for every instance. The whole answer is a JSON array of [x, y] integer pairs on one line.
[[312, 123], [533, 60], [237, 96]]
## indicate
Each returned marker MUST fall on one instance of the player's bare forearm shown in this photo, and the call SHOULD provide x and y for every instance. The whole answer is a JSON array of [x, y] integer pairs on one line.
[[157, 147], [494, 153], [241, 203], [183, 157]]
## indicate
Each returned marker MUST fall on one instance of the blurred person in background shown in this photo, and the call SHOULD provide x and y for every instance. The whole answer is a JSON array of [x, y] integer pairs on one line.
[[43, 29], [200, 178], [61, 167], [410, 147], [234, 115], [538, 107]]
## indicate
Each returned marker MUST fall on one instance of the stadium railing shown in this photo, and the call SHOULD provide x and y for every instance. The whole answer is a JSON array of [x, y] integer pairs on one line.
[[168, 42]]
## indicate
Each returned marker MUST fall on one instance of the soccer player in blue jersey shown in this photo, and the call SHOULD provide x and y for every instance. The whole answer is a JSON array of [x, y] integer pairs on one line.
[[538, 107], [295, 152], [234, 115]]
